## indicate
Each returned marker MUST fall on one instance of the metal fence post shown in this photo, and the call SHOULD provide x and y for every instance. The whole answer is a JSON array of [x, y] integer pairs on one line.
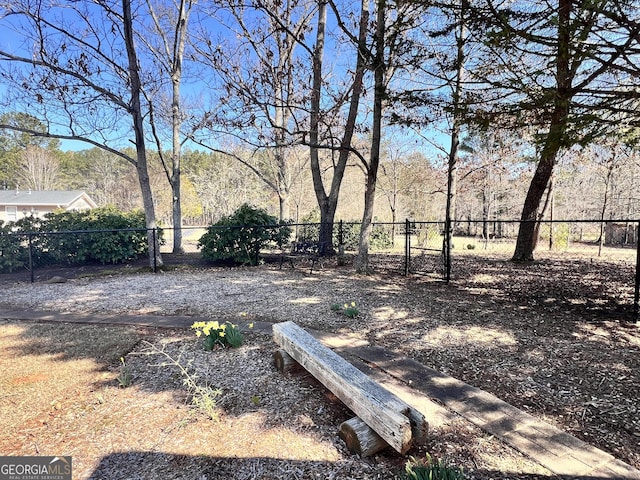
[[407, 246], [446, 249], [636, 297], [31, 256], [155, 253]]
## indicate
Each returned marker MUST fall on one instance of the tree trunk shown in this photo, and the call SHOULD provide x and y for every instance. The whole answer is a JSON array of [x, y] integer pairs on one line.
[[605, 204], [541, 214], [528, 231], [326, 215], [452, 170], [284, 203], [362, 260], [551, 212], [135, 87], [176, 167], [328, 203]]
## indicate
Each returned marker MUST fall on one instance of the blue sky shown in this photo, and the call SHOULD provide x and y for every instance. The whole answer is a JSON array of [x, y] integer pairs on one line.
[[339, 61]]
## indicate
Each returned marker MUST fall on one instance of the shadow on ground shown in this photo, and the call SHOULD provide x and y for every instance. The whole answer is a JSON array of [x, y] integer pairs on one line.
[[147, 465]]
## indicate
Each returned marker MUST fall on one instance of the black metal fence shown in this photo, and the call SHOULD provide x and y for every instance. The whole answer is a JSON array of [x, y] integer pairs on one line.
[[32, 251], [591, 264], [598, 262]]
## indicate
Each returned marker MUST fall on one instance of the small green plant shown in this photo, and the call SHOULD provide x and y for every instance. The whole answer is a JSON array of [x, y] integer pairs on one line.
[[125, 379], [203, 396], [348, 309], [428, 469], [233, 336], [226, 334]]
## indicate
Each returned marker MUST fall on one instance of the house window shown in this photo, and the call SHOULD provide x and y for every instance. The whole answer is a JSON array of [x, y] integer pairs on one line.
[[12, 213]]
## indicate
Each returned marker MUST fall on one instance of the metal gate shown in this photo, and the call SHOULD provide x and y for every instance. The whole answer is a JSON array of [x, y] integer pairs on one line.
[[424, 249]]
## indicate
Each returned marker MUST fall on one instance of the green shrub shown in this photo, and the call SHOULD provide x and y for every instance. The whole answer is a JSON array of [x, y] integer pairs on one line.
[[111, 236], [350, 235], [30, 226], [108, 236], [13, 252], [240, 237], [309, 231], [380, 237]]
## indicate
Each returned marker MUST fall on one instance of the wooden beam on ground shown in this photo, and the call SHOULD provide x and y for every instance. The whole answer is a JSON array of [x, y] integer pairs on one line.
[[391, 418]]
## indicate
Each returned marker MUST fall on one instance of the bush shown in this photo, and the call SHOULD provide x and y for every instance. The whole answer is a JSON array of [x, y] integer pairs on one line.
[[126, 240], [240, 237], [380, 236], [129, 241], [55, 238], [310, 232], [13, 253]]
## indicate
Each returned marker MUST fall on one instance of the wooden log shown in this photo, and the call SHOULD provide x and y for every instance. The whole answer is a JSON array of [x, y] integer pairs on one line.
[[380, 409], [361, 438], [284, 362]]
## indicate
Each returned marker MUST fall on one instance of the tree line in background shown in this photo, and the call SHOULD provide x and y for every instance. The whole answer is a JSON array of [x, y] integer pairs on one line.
[[592, 183], [528, 108]]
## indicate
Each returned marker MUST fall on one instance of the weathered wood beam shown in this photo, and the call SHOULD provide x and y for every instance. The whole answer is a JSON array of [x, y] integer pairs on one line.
[[377, 407]]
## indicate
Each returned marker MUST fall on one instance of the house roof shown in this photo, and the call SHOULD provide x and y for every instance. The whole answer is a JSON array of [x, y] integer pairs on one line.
[[43, 197]]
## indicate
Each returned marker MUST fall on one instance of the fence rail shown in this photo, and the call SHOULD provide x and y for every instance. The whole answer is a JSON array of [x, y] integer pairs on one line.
[[607, 252]]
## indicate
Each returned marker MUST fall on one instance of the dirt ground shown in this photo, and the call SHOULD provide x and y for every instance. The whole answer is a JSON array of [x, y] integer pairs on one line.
[[551, 345]]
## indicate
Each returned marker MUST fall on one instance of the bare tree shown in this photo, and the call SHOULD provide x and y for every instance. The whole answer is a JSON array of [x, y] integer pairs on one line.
[[108, 179], [392, 51], [13, 144], [398, 176], [324, 140], [380, 74], [167, 43], [80, 75], [264, 85], [39, 169]]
